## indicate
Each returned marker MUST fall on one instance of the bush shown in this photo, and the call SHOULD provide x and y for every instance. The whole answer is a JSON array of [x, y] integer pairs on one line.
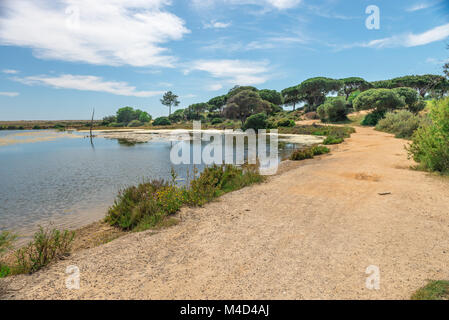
[[256, 122], [332, 140], [135, 123], [216, 121], [311, 115], [308, 153], [47, 246], [402, 123], [430, 146], [333, 110], [371, 119], [379, 99], [146, 205], [413, 101], [161, 121], [285, 123]]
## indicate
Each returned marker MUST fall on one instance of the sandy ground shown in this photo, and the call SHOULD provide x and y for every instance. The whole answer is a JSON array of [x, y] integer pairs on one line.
[[309, 233]]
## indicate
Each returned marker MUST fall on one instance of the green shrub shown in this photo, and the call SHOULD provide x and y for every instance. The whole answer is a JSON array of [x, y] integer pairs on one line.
[[6, 241], [332, 140], [371, 119], [413, 101], [47, 246], [401, 123], [430, 146], [116, 125], [146, 205], [378, 99], [333, 109], [135, 123], [285, 123], [434, 290], [161, 121], [256, 122], [216, 121], [308, 153]]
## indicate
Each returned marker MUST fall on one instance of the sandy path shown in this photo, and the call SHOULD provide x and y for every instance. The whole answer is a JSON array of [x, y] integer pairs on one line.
[[310, 233]]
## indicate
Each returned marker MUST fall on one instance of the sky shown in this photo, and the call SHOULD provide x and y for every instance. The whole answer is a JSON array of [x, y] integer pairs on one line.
[[59, 59]]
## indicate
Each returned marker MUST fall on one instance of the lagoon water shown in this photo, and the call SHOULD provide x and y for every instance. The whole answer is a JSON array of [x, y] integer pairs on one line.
[[61, 178]]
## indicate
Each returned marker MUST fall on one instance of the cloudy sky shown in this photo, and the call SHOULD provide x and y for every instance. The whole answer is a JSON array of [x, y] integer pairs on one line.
[[59, 59]]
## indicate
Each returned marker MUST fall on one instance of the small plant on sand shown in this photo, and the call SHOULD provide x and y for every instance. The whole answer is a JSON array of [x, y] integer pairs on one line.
[[6, 241], [308, 153], [434, 290], [47, 246]]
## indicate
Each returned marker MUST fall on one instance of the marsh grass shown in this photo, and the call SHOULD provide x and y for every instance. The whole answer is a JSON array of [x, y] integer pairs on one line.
[[151, 203]]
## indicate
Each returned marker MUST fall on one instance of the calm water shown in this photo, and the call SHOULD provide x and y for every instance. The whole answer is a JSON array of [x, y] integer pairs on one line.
[[63, 179]]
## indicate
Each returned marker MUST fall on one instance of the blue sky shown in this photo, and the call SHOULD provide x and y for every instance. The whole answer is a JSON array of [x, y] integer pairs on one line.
[[59, 59]]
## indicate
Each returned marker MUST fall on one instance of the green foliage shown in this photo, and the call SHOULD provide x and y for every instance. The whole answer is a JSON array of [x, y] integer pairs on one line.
[[146, 205], [217, 103], [108, 120], [6, 240], [430, 146], [332, 140], [216, 121], [314, 90], [194, 111], [413, 101], [271, 96], [135, 123], [379, 99], [237, 89], [126, 115], [177, 116], [244, 104], [169, 99], [285, 123], [352, 84], [161, 121], [371, 119], [292, 96], [47, 246], [434, 290], [401, 123], [256, 122], [308, 153], [333, 110]]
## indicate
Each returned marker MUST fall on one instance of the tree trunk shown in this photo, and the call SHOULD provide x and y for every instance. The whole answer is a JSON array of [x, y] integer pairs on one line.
[[294, 106], [169, 110]]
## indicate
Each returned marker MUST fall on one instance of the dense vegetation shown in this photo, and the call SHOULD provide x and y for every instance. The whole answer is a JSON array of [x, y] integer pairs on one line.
[[430, 143], [148, 204]]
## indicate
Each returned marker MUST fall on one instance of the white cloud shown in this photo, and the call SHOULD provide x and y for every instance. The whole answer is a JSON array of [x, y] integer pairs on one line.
[[10, 71], [189, 96], [410, 39], [9, 94], [86, 83], [236, 72], [422, 6], [217, 25], [104, 32], [214, 87], [277, 4]]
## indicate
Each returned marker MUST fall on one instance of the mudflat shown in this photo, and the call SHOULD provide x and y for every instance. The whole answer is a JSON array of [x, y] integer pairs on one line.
[[308, 233]]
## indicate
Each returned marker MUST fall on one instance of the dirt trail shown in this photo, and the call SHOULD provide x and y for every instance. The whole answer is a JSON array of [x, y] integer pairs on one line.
[[309, 233]]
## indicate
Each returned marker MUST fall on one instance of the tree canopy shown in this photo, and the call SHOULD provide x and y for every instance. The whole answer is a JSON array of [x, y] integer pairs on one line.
[[271, 96], [379, 99], [127, 114], [349, 85], [292, 96], [170, 100], [244, 104], [314, 90], [217, 103]]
